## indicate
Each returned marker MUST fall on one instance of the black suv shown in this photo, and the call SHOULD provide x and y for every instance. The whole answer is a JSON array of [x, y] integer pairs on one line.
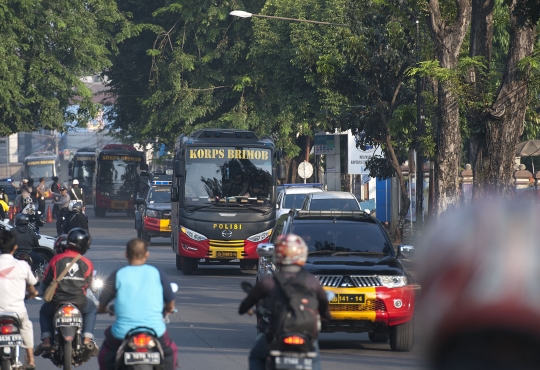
[[351, 255]]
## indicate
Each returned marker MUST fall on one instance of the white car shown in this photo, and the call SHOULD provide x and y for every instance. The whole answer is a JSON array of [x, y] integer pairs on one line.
[[292, 196]]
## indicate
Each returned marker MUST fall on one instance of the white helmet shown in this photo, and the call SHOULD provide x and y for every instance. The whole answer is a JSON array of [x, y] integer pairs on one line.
[[75, 182]]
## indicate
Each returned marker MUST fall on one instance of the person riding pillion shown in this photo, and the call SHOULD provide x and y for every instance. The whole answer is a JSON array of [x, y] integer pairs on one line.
[[34, 217], [142, 294], [290, 254], [27, 239], [72, 290], [75, 218], [15, 279]]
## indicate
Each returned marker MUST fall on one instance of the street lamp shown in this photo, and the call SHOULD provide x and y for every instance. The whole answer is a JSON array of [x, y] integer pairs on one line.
[[243, 14]]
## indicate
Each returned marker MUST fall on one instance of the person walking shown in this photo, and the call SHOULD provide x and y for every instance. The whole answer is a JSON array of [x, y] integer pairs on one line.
[[40, 195], [63, 203], [55, 188]]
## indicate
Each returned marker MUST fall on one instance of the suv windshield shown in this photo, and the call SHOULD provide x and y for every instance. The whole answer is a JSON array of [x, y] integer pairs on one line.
[[294, 201], [160, 195], [342, 237], [334, 205]]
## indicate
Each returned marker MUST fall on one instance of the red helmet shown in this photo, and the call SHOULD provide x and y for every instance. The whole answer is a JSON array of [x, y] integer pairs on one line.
[[480, 279], [290, 249]]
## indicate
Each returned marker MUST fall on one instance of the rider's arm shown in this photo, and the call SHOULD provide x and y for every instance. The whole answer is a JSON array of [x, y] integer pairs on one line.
[[49, 274], [259, 291], [108, 294], [168, 294]]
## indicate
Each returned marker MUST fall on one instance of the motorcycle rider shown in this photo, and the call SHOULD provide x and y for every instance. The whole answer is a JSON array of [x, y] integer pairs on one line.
[[290, 254], [75, 218], [71, 289], [76, 193], [34, 217], [16, 278], [142, 295], [62, 203], [27, 239]]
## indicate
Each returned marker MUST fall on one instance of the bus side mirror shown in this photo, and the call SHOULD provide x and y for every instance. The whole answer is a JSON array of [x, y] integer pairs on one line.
[[282, 171], [174, 193], [177, 168], [144, 167]]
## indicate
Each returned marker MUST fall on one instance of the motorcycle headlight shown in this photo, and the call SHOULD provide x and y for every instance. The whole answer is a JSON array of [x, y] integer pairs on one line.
[[260, 236], [393, 281], [192, 234], [153, 213]]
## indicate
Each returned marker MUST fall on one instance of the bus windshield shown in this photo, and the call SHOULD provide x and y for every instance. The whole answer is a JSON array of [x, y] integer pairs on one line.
[[36, 171], [119, 171], [228, 172], [83, 169]]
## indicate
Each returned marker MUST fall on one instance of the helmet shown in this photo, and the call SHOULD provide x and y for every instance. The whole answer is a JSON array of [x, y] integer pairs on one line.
[[479, 278], [79, 240], [21, 219], [77, 207], [60, 244], [290, 249], [75, 182], [27, 201], [29, 209]]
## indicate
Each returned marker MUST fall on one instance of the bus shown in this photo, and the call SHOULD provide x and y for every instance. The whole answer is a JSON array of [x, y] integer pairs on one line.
[[223, 198], [81, 167], [115, 177], [41, 164]]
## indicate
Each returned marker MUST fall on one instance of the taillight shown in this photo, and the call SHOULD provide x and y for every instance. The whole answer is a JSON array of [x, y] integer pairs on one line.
[[293, 340], [7, 329], [143, 341], [69, 310]]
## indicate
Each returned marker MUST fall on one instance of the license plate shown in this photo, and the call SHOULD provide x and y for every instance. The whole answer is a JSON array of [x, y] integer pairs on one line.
[[10, 340], [226, 254], [349, 298], [119, 205], [131, 358], [292, 362], [68, 321]]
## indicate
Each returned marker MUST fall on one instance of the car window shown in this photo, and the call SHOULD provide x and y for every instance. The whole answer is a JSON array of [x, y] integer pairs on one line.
[[278, 229], [333, 205], [294, 201], [342, 237]]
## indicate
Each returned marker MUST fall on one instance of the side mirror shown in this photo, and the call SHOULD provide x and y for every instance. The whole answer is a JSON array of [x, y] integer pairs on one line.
[[177, 168], [265, 249], [144, 167], [246, 287], [405, 251], [282, 171], [174, 193], [367, 211], [140, 201]]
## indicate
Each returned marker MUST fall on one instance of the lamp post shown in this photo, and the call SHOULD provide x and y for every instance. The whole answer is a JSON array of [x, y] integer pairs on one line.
[[243, 14]]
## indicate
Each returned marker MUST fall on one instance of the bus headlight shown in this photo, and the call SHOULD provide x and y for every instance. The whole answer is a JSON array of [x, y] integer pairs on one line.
[[192, 234], [260, 236]]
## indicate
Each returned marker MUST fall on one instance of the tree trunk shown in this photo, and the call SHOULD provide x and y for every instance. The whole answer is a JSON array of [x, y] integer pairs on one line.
[[448, 40], [504, 120]]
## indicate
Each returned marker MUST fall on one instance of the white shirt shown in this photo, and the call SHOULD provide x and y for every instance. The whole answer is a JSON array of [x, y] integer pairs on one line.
[[15, 275]]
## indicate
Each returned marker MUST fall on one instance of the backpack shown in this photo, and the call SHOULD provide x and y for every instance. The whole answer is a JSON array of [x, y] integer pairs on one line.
[[295, 307]]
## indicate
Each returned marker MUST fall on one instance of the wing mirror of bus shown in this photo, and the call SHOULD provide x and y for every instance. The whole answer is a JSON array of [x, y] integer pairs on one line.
[[177, 168], [282, 171], [140, 201], [265, 249], [174, 193], [144, 167]]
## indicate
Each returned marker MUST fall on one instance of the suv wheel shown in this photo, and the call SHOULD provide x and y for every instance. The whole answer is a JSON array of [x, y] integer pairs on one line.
[[401, 337]]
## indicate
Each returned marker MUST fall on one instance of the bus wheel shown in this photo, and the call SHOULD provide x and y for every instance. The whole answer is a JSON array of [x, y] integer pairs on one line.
[[178, 262], [99, 212], [189, 265]]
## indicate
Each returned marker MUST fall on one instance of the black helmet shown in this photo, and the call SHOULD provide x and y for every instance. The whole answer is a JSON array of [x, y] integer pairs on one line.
[[60, 244], [79, 240], [77, 207], [21, 219]]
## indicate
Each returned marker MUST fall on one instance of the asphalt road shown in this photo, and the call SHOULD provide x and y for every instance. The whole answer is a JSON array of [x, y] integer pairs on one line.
[[208, 330]]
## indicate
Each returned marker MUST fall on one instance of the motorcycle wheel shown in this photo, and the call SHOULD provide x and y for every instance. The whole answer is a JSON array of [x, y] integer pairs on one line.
[[6, 364], [67, 355]]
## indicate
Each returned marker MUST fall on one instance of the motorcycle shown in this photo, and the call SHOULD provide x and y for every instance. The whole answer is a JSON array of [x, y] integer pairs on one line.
[[10, 340], [287, 350], [46, 255], [141, 348], [69, 348]]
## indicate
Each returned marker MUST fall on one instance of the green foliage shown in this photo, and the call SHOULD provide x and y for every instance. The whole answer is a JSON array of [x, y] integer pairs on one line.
[[46, 46]]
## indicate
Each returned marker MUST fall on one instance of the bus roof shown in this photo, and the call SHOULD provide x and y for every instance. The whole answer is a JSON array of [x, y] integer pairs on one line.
[[41, 155], [119, 147]]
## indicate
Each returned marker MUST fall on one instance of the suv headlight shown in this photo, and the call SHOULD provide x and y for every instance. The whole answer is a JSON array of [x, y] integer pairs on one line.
[[192, 234], [153, 213], [260, 236], [393, 281]]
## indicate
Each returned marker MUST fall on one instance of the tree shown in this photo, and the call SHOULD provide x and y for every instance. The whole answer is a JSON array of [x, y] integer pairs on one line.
[[46, 46]]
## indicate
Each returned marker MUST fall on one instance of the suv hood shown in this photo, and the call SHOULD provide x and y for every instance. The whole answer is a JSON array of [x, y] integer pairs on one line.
[[159, 206], [354, 265]]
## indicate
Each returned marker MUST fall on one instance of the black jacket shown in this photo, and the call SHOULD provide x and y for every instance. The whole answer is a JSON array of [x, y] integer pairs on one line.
[[26, 238], [73, 220]]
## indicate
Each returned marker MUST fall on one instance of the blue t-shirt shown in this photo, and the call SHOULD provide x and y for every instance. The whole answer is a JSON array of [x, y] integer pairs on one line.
[[140, 293]]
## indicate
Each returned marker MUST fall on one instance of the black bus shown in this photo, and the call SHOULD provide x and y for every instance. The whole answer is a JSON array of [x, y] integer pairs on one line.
[[81, 168], [115, 176], [223, 198]]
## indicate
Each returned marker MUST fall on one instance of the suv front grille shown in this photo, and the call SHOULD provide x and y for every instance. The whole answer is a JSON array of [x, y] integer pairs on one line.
[[340, 281], [370, 305]]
